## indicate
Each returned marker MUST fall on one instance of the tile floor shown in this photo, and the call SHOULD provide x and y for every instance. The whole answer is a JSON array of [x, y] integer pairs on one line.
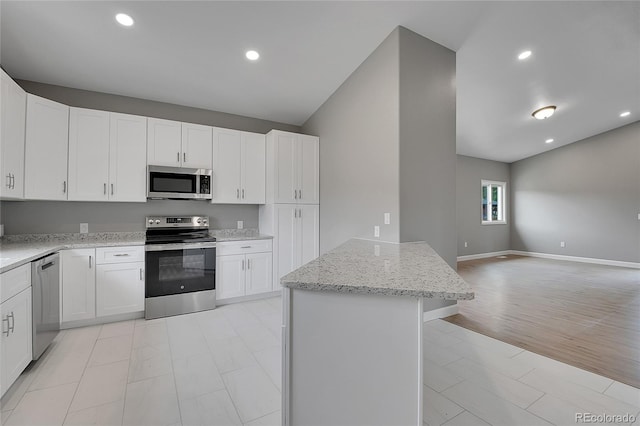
[[222, 367]]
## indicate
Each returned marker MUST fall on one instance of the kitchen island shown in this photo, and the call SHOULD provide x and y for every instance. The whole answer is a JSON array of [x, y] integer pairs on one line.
[[352, 333]]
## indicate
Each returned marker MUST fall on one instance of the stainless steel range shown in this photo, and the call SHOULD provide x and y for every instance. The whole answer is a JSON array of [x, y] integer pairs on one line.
[[180, 266]]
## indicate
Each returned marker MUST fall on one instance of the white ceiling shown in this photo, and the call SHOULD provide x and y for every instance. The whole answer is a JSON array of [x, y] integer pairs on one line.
[[586, 58]]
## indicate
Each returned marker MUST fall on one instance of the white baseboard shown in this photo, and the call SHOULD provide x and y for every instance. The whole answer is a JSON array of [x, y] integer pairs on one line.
[[446, 311], [483, 255], [608, 262]]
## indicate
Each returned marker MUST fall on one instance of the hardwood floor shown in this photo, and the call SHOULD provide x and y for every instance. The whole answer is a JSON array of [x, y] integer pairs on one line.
[[581, 314]]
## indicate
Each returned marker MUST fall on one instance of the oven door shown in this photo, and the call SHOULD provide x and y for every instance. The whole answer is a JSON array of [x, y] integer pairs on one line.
[[179, 268]]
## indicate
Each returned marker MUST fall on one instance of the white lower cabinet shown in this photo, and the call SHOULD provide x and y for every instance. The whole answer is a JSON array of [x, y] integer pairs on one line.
[[15, 342], [101, 282], [243, 268], [78, 284]]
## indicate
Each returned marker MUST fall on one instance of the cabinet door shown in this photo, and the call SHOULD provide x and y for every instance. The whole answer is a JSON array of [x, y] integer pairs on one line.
[[226, 169], [230, 276], [309, 233], [13, 109], [78, 284], [46, 149], [286, 168], [259, 273], [285, 241], [164, 141], [127, 158], [119, 288], [196, 146], [309, 170], [16, 337], [88, 154], [253, 168]]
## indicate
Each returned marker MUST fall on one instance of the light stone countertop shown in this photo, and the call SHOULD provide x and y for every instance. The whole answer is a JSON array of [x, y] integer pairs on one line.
[[17, 250], [372, 267]]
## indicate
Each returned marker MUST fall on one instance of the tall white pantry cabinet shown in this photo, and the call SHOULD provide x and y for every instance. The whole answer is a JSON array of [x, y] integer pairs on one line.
[[292, 212]]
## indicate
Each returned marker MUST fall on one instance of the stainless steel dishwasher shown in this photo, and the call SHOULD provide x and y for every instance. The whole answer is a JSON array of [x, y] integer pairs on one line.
[[45, 290]]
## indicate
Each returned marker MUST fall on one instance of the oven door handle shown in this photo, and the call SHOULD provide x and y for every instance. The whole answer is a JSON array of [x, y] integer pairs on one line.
[[179, 246]]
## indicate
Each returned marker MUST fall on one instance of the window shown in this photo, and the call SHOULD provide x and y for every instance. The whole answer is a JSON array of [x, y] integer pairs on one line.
[[493, 202]]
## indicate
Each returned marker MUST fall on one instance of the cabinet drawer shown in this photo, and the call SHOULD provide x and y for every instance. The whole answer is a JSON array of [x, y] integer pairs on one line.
[[124, 254], [243, 247], [14, 281]]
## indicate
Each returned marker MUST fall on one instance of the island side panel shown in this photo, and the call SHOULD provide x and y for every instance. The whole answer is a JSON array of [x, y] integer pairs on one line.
[[352, 359]]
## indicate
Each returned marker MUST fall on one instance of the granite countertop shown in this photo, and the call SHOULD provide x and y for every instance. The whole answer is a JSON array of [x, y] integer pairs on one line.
[[16, 250], [372, 267]]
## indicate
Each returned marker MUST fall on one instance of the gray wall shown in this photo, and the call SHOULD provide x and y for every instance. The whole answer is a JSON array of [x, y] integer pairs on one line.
[[127, 105], [428, 144], [60, 217], [586, 194], [358, 130], [480, 238], [40, 217]]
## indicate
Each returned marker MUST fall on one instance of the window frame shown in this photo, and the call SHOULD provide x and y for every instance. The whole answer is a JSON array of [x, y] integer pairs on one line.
[[503, 207]]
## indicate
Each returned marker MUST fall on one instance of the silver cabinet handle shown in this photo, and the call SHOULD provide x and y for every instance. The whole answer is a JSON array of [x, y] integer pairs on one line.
[[178, 158], [248, 263], [5, 332], [243, 193], [90, 261], [13, 322], [105, 189], [184, 157], [121, 254], [300, 213], [295, 194], [111, 189], [300, 194], [9, 181], [295, 213], [141, 274], [64, 186], [237, 193], [13, 181], [245, 247], [243, 264]]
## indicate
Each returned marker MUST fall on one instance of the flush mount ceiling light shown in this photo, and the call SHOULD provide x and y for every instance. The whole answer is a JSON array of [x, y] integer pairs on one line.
[[252, 55], [625, 114], [124, 19], [544, 112], [524, 55], [548, 140]]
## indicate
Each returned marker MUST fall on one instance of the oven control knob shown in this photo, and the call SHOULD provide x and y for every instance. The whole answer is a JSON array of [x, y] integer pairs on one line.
[[181, 287], [199, 221], [150, 221], [204, 221], [157, 221]]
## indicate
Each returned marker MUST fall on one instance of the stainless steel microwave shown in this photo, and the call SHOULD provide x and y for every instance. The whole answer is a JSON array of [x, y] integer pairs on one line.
[[178, 183]]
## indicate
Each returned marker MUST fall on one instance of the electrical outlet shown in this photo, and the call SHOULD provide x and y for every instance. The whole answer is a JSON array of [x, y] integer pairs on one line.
[[376, 250], [562, 244], [240, 224], [387, 218], [466, 244], [84, 228], [376, 231]]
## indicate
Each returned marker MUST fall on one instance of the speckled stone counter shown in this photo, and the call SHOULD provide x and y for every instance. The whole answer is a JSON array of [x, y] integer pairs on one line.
[[371, 267], [16, 250]]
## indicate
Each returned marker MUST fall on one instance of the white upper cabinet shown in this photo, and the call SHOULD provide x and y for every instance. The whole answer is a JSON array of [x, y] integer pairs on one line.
[[107, 156], [164, 142], [13, 108], [46, 149], [238, 167], [292, 168], [88, 154], [176, 144], [196, 146], [127, 158]]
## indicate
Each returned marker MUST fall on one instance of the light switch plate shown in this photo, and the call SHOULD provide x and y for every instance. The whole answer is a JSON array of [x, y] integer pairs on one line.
[[562, 244], [387, 218], [84, 228], [376, 231], [240, 224]]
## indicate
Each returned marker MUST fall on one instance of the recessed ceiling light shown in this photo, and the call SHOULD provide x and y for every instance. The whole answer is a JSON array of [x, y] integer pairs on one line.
[[548, 140], [124, 19], [625, 114], [252, 55], [544, 112], [524, 55]]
